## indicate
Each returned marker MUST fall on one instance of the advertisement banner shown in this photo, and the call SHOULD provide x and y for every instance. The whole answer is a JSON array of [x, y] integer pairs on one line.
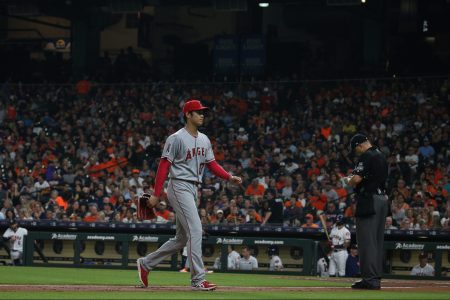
[[253, 54], [226, 54]]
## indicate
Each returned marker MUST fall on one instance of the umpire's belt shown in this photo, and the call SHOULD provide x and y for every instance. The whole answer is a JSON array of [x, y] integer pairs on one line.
[[188, 181]]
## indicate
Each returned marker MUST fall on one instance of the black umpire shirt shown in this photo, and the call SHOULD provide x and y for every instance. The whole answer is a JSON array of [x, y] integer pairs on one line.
[[372, 167], [276, 207]]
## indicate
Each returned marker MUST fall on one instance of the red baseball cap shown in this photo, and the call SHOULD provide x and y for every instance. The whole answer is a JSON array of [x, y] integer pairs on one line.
[[193, 105]]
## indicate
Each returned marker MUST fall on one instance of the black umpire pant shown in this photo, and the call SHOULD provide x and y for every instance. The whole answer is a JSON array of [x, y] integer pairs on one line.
[[370, 239]]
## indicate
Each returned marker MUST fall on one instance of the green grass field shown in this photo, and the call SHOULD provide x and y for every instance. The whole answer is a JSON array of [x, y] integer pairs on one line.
[[103, 277]]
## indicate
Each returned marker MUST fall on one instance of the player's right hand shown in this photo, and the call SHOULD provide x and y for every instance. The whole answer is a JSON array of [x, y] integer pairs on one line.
[[236, 179]]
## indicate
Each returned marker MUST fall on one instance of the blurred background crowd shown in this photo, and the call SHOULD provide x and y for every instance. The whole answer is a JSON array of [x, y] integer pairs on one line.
[[85, 152]]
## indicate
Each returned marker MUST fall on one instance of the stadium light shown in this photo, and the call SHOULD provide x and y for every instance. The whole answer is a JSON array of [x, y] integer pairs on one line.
[[363, 1], [263, 4]]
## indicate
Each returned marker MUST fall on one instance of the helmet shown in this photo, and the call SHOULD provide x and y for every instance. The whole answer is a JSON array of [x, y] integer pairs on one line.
[[340, 220], [272, 250]]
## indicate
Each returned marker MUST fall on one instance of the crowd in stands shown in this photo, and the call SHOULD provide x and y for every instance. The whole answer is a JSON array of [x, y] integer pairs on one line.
[[86, 152]]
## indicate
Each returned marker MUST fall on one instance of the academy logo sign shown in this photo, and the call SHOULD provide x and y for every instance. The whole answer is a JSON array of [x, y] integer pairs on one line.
[[443, 247], [231, 241], [64, 236], [143, 238], [101, 237], [268, 242], [409, 246]]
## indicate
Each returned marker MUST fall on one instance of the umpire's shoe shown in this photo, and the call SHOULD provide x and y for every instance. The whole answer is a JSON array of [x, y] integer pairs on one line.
[[143, 273], [364, 285]]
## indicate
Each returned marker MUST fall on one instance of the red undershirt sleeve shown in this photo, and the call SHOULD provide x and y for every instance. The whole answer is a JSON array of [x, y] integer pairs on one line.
[[217, 170], [161, 175]]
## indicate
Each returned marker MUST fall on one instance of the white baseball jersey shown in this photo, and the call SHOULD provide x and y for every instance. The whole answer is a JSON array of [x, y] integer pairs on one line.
[[188, 155], [138, 184], [233, 260], [322, 268], [217, 264], [427, 270], [275, 263], [248, 264], [17, 243], [339, 236]]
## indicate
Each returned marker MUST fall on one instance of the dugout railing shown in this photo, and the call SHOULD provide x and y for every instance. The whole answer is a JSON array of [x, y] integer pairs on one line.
[[299, 255], [121, 250]]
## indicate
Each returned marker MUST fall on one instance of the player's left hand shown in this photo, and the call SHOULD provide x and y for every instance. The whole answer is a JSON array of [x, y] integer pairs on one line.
[[236, 179]]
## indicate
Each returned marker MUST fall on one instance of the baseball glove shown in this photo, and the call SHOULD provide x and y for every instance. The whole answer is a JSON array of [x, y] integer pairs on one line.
[[144, 211]]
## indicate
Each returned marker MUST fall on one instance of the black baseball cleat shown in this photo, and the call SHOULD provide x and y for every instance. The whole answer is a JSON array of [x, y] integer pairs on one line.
[[364, 285]]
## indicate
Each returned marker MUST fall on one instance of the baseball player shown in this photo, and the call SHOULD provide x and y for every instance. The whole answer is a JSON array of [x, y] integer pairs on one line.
[[232, 259], [15, 235], [324, 262], [423, 268], [247, 261], [340, 239], [275, 261], [186, 154]]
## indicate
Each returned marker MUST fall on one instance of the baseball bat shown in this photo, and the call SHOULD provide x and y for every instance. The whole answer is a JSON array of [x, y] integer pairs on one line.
[[39, 252], [324, 225]]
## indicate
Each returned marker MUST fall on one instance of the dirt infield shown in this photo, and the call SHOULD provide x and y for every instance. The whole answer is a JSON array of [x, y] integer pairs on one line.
[[388, 285]]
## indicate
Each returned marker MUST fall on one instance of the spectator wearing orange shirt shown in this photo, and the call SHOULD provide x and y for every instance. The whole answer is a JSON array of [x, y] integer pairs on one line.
[[218, 217], [321, 159], [341, 192], [234, 217], [219, 154], [310, 222], [350, 211], [83, 87], [317, 199], [93, 214], [255, 189], [254, 217], [61, 202], [429, 201], [162, 211], [326, 131], [11, 113], [313, 169], [402, 188]]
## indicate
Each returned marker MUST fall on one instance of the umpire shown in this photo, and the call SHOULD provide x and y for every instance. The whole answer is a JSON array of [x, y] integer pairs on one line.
[[369, 178]]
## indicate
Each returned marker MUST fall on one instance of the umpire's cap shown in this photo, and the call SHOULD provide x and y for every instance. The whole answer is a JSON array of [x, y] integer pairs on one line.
[[357, 139], [193, 105]]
